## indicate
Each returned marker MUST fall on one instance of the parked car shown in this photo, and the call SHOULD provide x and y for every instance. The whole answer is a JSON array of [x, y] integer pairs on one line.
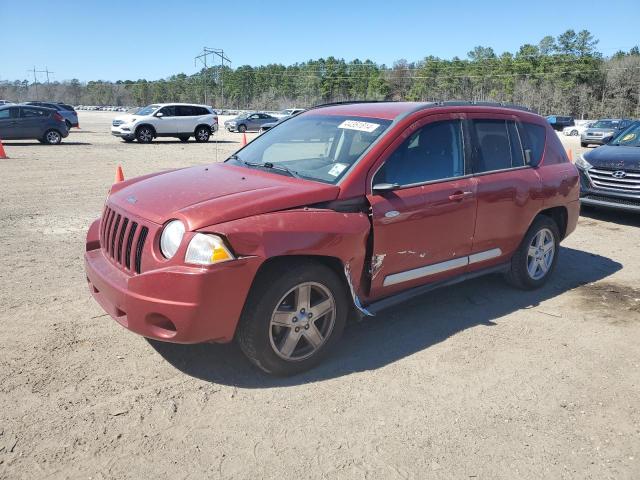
[[577, 129], [343, 209], [24, 122], [610, 175], [559, 123], [5, 102], [288, 112], [603, 130], [180, 120], [67, 111], [249, 121]]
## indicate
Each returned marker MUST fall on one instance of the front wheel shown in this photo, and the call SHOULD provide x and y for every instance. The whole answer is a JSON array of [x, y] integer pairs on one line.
[[144, 135], [52, 137], [242, 128], [202, 134], [536, 258], [293, 318]]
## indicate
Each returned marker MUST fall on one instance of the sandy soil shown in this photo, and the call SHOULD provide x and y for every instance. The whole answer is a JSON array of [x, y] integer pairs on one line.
[[474, 381]]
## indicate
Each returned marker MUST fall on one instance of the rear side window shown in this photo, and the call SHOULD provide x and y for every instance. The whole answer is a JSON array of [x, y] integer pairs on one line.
[[202, 111], [497, 145], [33, 112], [185, 111], [533, 138]]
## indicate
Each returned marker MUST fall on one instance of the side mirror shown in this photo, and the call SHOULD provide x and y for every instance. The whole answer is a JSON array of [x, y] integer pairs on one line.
[[159, 114], [380, 188]]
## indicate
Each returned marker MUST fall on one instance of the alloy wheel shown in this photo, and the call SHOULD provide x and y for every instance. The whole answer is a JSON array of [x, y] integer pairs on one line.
[[540, 254]]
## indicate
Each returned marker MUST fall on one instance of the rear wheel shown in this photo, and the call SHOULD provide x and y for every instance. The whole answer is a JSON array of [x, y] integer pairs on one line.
[[52, 137], [144, 134], [202, 134], [293, 317], [184, 139], [536, 258]]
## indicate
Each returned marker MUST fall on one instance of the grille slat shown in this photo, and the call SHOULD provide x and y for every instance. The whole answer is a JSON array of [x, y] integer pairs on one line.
[[604, 178], [123, 239]]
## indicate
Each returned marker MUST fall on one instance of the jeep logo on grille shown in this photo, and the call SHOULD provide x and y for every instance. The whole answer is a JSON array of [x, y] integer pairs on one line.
[[619, 174]]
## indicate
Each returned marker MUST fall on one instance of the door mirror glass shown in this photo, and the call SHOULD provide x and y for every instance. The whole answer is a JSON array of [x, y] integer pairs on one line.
[[159, 114]]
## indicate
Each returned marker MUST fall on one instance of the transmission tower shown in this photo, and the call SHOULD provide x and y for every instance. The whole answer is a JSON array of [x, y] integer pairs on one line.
[[219, 74]]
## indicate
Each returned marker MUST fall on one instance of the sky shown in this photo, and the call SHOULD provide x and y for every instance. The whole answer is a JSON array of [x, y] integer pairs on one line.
[[134, 39]]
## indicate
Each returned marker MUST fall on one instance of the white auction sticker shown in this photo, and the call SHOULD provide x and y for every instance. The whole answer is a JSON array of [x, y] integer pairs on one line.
[[337, 169], [360, 126]]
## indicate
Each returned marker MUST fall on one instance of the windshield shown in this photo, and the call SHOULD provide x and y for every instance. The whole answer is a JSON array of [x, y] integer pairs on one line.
[[629, 137], [148, 110], [605, 124], [317, 147]]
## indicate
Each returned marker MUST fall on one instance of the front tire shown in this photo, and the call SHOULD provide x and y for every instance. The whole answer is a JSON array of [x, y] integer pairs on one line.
[[536, 257], [52, 137], [242, 128], [144, 135], [293, 317], [202, 134]]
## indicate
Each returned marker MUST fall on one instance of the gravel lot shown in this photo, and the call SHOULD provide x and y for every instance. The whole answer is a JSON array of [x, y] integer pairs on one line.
[[473, 381]]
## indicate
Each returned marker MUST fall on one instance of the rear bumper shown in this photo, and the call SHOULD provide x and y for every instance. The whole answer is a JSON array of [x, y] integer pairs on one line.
[[175, 304]]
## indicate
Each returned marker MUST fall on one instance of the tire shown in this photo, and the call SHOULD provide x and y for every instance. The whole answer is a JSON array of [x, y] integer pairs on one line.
[[242, 128], [144, 134], [532, 265], [52, 137], [277, 332], [574, 133], [202, 134], [584, 145], [184, 139]]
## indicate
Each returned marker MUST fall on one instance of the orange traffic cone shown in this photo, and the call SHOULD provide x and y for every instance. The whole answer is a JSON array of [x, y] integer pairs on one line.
[[244, 139], [3, 155], [119, 175], [570, 154]]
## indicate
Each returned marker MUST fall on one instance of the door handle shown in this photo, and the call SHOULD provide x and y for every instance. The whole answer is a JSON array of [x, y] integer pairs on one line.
[[459, 196]]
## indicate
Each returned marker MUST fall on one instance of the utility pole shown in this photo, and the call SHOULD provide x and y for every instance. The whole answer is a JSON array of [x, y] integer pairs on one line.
[[206, 51], [35, 77]]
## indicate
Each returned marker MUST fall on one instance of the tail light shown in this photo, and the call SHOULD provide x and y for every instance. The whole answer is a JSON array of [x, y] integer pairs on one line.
[[58, 117]]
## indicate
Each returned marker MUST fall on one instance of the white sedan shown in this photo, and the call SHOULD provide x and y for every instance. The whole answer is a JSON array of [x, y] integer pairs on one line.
[[576, 130]]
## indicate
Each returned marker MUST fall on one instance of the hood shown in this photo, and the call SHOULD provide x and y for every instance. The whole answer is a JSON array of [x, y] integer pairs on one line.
[[614, 156], [211, 194]]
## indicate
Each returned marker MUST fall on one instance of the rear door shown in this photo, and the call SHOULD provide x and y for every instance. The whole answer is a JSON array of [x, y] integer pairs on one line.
[[31, 122], [422, 231], [509, 191], [8, 123], [186, 116]]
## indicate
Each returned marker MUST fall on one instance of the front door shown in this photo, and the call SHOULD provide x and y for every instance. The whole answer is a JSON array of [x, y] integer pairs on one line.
[[168, 123], [30, 123], [423, 228], [8, 123]]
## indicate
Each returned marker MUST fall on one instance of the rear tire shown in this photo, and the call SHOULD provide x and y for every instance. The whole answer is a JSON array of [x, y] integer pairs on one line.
[[52, 137], [144, 134], [202, 134], [278, 331], [536, 257]]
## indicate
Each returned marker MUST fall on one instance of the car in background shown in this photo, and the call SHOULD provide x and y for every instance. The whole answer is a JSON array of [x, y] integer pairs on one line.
[[25, 122], [249, 121], [180, 120], [559, 123], [67, 111], [603, 130], [5, 102], [610, 175], [577, 129], [288, 112]]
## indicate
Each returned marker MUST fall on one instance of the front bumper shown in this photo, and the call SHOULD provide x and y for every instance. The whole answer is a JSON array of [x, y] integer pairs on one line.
[[122, 132], [177, 304], [594, 140], [608, 198]]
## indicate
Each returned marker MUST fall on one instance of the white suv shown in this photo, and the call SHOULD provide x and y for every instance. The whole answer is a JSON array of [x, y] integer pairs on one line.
[[181, 120]]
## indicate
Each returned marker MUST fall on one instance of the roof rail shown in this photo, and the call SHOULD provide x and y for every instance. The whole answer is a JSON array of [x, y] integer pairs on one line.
[[349, 102], [472, 103]]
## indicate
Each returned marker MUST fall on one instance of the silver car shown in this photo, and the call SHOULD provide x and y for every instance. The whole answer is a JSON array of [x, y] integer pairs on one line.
[[248, 121], [603, 130]]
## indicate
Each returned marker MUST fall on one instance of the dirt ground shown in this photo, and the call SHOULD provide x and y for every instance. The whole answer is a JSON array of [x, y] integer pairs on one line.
[[473, 381]]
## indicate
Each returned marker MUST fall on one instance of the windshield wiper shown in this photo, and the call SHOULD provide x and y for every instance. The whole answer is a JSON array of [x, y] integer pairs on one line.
[[268, 165]]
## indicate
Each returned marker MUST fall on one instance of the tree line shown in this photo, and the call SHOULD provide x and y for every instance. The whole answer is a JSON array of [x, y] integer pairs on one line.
[[564, 75]]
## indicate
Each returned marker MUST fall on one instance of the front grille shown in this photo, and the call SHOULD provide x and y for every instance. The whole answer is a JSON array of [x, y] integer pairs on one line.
[[122, 239], [117, 123], [618, 201], [604, 178]]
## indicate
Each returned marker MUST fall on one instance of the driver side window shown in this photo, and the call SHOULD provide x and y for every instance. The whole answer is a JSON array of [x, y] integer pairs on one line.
[[434, 152], [168, 111]]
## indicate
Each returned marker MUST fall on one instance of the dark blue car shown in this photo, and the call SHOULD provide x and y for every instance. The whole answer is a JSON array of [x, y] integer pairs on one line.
[[610, 175]]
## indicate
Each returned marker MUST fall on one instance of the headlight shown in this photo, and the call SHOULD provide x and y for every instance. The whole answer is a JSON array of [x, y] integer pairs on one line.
[[582, 163], [207, 249], [171, 238]]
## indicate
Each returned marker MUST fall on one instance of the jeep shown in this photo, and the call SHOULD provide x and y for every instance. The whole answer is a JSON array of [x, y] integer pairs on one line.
[[341, 211]]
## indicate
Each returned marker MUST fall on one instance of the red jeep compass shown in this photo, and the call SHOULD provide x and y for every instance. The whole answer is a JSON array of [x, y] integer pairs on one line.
[[344, 208]]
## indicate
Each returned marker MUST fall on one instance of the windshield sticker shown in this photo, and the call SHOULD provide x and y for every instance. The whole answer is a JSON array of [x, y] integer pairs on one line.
[[628, 137], [359, 126], [337, 169]]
